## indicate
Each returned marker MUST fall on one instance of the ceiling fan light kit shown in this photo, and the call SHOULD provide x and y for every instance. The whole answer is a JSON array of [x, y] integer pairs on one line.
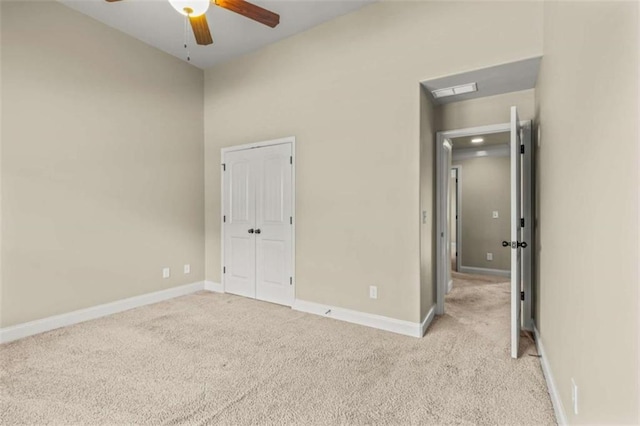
[[191, 8], [195, 11]]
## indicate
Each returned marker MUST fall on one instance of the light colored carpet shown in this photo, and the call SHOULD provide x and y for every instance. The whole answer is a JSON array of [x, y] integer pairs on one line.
[[220, 359]]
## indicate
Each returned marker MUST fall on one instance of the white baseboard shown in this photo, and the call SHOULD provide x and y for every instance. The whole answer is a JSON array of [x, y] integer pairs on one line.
[[20, 331], [407, 328], [449, 286], [215, 287], [426, 322], [31, 328], [484, 271], [558, 407]]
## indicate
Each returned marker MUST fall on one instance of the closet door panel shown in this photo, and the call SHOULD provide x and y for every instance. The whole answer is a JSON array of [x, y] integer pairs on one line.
[[273, 219], [240, 209]]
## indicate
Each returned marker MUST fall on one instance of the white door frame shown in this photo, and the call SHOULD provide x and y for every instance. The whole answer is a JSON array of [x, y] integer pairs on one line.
[[441, 211], [458, 169], [444, 155], [291, 140]]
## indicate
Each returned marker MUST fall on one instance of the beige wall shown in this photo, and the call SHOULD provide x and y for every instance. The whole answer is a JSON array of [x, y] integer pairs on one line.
[[587, 292], [485, 111], [102, 170], [485, 187], [347, 90], [427, 204]]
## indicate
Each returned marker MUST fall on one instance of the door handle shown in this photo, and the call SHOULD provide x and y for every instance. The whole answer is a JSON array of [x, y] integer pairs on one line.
[[515, 244], [250, 231], [258, 231]]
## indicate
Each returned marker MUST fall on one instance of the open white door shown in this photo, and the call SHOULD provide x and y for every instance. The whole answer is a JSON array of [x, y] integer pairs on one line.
[[516, 200]]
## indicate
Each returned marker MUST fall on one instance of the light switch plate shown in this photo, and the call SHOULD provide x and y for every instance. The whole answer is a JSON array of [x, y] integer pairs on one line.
[[166, 272], [489, 256], [187, 269], [373, 292]]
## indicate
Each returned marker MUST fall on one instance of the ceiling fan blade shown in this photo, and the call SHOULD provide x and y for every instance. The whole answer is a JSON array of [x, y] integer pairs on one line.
[[250, 11], [201, 30]]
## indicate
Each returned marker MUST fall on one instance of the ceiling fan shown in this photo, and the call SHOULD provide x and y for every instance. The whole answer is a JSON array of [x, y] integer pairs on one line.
[[196, 10]]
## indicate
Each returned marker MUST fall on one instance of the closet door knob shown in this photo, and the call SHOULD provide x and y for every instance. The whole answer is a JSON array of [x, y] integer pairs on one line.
[[250, 231], [258, 231]]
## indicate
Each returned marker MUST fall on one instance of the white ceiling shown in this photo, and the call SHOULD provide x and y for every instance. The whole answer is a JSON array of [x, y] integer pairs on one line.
[[491, 139], [504, 78], [156, 23]]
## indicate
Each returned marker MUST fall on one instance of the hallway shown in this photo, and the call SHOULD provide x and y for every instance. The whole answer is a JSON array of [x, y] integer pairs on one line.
[[478, 311]]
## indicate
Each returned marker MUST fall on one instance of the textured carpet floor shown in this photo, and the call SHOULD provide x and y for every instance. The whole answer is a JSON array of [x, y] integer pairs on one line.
[[220, 359]]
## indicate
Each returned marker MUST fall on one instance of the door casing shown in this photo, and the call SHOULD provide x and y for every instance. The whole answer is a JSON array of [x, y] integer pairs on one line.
[[291, 140], [458, 212]]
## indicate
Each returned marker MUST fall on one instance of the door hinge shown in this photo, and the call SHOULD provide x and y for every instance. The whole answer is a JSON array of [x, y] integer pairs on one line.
[[224, 269], [290, 280], [522, 296], [290, 220], [291, 160], [224, 218], [522, 222], [521, 149], [224, 167]]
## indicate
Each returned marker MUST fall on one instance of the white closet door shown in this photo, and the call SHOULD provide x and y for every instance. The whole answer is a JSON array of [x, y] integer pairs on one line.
[[239, 236], [274, 224]]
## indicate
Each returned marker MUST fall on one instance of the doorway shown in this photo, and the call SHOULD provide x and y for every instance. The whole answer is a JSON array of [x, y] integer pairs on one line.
[[258, 244], [519, 214], [483, 163]]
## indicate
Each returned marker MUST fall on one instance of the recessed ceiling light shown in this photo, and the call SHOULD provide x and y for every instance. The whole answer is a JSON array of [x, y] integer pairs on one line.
[[477, 140], [456, 90]]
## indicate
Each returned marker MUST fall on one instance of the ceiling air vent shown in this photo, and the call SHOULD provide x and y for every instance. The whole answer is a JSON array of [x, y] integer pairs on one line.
[[456, 90]]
